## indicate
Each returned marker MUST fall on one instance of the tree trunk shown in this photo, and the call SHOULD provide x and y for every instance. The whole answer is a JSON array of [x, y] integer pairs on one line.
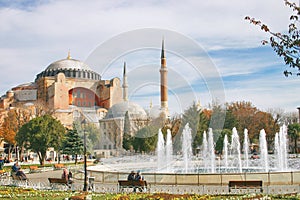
[[21, 153], [41, 158], [9, 152], [17, 152], [58, 157], [75, 159]]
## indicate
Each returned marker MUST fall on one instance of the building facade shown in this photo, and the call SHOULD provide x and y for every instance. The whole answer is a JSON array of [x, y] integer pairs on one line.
[[65, 86], [72, 91]]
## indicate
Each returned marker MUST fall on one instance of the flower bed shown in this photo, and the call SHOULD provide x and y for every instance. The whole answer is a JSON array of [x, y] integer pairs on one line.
[[23, 193]]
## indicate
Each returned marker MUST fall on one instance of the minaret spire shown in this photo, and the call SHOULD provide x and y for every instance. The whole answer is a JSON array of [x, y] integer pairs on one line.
[[164, 82], [163, 56], [125, 84], [163, 48]]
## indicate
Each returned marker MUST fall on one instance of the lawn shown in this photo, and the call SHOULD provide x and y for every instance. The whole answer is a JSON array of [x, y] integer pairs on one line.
[[8, 192]]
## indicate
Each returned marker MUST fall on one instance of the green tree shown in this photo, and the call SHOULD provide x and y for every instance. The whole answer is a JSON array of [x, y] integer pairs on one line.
[[230, 120], [127, 126], [286, 45], [72, 143], [218, 116], [191, 116], [127, 138], [294, 133], [220, 140], [41, 133], [202, 126], [145, 139], [128, 142], [92, 134]]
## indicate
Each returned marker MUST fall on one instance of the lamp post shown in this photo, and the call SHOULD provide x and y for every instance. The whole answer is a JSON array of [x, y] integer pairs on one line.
[[298, 114], [85, 184]]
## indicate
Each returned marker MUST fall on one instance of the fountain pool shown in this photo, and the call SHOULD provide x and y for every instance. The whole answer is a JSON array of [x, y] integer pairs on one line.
[[207, 172], [235, 159]]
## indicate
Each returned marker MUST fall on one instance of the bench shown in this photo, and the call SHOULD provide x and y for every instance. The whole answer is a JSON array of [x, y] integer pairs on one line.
[[59, 166], [135, 184], [34, 168], [55, 182], [253, 184], [18, 180]]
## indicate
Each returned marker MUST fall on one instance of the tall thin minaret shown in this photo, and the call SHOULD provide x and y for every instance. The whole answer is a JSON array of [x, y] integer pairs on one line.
[[163, 82], [125, 84]]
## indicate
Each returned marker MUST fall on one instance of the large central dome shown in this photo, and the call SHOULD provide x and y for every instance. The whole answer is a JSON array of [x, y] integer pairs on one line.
[[68, 64], [72, 68]]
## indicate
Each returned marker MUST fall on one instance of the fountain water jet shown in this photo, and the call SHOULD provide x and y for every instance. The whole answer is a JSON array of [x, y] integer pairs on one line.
[[277, 152], [211, 150], [225, 151], [160, 150], [281, 149], [205, 152], [236, 150], [246, 148], [187, 148], [169, 151], [263, 150]]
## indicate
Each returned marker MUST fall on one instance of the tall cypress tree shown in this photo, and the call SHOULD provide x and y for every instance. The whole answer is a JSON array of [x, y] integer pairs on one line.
[[127, 138], [72, 144]]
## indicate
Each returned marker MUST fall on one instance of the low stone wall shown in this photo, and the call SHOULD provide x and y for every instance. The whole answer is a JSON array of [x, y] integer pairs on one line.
[[269, 179]]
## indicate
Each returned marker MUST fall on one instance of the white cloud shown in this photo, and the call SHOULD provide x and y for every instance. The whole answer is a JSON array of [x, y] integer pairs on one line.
[[33, 38]]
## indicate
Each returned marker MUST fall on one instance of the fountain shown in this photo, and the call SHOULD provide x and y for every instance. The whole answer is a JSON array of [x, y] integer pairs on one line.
[[185, 169], [164, 152], [187, 148], [263, 150], [231, 161], [211, 151], [160, 151], [169, 151], [236, 150], [225, 151], [246, 148], [205, 150], [208, 152], [281, 148]]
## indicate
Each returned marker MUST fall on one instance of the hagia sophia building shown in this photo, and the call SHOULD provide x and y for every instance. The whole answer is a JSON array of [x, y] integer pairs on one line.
[[72, 90]]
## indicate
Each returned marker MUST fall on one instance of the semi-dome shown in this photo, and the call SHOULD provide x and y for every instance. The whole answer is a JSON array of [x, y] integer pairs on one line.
[[135, 111], [72, 68]]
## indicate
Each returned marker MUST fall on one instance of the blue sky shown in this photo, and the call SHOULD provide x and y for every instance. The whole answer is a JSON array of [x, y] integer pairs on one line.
[[33, 34]]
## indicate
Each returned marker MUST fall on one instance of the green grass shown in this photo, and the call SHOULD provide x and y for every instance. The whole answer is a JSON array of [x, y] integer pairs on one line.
[[8, 192]]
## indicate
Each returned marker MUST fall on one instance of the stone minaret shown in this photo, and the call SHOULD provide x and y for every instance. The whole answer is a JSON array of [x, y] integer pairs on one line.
[[125, 84], [164, 82]]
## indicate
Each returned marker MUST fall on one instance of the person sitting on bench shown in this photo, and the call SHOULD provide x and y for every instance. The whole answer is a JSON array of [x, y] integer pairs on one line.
[[138, 177], [131, 176], [68, 176], [16, 169]]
